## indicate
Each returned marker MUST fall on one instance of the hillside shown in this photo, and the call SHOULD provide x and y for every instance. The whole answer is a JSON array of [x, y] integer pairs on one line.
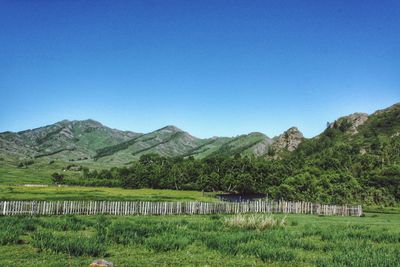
[[356, 158], [250, 144], [358, 151], [64, 140], [168, 141], [90, 141]]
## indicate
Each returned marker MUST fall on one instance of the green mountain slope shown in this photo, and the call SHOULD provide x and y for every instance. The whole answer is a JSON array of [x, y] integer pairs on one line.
[[62, 140], [356, 158], [168, 141], [94, 142], [250, 144], [358, 151]]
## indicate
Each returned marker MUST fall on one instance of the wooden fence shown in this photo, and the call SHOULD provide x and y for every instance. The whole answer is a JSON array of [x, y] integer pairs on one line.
[[167, 208]]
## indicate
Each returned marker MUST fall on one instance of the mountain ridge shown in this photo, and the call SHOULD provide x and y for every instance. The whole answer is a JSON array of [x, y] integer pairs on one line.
[[91, 140], [65, 137]]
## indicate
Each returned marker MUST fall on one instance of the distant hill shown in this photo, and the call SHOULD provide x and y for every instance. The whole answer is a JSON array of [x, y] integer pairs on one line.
[[358, 133], [63, 140], [89, 140]]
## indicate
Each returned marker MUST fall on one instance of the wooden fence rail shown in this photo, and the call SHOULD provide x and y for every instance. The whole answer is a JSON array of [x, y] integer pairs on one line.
[[167, 208]]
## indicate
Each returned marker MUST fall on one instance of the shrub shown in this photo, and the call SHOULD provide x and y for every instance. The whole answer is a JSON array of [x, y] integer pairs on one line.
[[57, 178]]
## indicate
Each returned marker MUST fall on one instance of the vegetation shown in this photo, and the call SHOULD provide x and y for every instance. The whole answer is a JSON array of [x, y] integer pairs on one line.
[[347, 163], [57, 178], [304, 240], [342, 165], [255, 221], [69, 244], [100, 193]]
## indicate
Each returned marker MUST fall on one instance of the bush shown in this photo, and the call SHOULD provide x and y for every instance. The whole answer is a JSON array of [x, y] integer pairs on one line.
[[25, 163], [57, 178]]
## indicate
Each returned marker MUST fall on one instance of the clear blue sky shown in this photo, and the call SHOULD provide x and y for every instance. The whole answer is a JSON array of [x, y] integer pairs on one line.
[[209, 67]]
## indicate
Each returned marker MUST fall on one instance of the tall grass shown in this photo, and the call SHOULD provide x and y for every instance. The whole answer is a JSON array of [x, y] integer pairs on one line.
[[124, 232], [11, 228], [71, 245], [255, 221], [9, 235], [272, 253], [65, 223], [167, 242], [261, 239]]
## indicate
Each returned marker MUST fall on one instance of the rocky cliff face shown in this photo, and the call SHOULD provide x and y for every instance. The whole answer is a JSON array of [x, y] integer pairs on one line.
[[289, 140], [351, 122]]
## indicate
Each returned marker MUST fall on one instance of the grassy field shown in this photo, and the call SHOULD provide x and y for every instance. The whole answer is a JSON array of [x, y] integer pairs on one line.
[[100, 193], [40, 172], [34, 174], [305, 240]]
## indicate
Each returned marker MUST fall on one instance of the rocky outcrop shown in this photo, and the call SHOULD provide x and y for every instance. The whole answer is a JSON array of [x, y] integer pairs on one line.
[[289, 140], [350, 123]]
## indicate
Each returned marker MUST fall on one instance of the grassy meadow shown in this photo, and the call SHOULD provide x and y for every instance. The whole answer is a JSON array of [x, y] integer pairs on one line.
[[215, 240], [40, 172], [197, 240], [9, 192]]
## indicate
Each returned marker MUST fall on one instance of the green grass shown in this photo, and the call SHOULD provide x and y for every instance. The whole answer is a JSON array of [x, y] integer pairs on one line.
[[40, 172], [382, 209], [99, 193], [33, 174], [305, 240]]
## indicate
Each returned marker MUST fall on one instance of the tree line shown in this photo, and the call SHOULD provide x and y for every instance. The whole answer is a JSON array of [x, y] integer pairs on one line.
[[336, 167]]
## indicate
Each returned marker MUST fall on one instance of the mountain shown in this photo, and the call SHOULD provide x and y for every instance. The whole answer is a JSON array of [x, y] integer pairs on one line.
[[359, 150], [249, 144], [91, 141], [62, 140], [169, 141]]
